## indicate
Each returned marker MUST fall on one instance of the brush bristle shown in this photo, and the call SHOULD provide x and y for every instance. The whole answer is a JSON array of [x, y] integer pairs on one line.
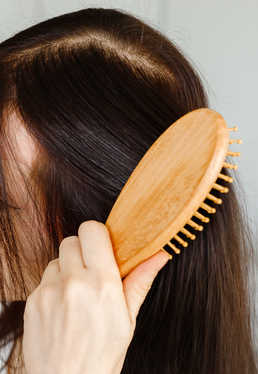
[[216, 185]]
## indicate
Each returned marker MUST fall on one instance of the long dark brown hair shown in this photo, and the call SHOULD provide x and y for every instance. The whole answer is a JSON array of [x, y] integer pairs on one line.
[[94, 89]]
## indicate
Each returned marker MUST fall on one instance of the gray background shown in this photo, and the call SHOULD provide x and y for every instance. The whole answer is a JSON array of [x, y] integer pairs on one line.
[[219, 37]]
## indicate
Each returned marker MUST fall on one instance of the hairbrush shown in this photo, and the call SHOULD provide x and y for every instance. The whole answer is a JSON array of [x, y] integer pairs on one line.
[[168, 186]]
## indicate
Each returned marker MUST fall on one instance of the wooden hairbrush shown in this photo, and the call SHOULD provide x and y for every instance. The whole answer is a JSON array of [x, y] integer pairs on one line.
[[168, 186]]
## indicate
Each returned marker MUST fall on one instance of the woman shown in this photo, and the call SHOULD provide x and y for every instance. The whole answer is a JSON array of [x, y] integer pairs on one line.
[[93, 90]]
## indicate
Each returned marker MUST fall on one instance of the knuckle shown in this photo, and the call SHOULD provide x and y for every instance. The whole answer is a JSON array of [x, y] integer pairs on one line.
[[67, 241], [112, 277], [47, 291], [71, 286], [93, 225], [109, 289], [95, 286], [111, 283]]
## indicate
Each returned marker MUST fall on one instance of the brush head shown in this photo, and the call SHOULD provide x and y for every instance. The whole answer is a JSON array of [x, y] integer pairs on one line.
[[167, 186]]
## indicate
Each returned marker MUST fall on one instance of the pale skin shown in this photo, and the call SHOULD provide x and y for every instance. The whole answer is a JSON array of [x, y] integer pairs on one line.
[[24, 149], [81, 318]]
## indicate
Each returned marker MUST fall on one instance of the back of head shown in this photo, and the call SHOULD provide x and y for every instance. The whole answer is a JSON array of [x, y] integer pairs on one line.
[[94, 89]]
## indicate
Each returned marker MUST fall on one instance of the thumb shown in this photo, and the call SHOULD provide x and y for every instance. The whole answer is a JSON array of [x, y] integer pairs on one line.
[[138, 282]]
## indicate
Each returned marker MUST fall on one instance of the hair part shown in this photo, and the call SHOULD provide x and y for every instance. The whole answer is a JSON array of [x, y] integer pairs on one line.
[[94, 89]]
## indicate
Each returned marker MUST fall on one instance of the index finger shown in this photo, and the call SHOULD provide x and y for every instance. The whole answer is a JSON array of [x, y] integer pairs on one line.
[[97, 248]]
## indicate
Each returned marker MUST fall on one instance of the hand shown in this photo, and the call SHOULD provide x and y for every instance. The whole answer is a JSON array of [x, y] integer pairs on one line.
[[82, 316]]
